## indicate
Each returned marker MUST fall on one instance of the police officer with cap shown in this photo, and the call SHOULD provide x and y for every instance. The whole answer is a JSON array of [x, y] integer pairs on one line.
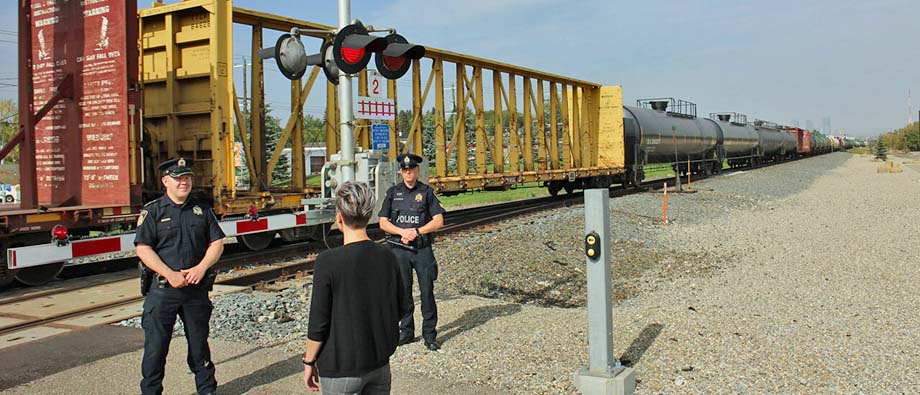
[[410, 214], [179, 239]]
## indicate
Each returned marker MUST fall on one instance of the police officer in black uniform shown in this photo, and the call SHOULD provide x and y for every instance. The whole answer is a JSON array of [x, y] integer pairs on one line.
[[410, 214], [179, 239]]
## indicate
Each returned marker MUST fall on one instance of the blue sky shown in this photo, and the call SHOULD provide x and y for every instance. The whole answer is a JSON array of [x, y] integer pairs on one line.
[[781, 60]]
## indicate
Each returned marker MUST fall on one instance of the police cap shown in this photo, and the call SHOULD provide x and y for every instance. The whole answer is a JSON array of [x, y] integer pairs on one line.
[[408, 161], [176, 167]]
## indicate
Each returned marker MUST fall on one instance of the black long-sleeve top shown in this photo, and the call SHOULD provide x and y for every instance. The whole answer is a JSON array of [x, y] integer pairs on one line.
[[355, 308]]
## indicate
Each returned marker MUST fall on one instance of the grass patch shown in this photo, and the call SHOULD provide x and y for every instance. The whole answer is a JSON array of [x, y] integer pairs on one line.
[[889, 167], [860, 150], [526, 191], [658, 171]]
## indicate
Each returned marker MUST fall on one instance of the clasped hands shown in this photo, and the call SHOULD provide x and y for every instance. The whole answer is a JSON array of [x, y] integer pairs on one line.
[[408, 235], [186, 277]]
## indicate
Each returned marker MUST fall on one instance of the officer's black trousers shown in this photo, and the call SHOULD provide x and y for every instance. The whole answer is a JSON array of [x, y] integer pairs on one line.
[[426, 268], [161, 307]]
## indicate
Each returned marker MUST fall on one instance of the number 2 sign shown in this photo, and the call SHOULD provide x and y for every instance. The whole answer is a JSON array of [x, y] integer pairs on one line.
[[376, 84]]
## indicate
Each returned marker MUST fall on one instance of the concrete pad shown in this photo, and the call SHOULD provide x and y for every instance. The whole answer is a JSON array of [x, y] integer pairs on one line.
[[107, 316], [67, 302], [590, 383], [9, 321], [81, 322], [24, 363], [64, 285], [241, 369], [28, 335]]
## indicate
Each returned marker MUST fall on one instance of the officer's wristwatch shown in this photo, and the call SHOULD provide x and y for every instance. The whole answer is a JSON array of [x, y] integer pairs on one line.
[[417, 233], [310, 363]]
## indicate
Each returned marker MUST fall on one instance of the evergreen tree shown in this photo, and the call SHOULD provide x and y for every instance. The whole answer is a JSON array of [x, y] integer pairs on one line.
[[281, 176], [881, 151], [9, 127]]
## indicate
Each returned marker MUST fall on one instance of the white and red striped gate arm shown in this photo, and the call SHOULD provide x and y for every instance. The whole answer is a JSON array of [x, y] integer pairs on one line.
[[43, 254]]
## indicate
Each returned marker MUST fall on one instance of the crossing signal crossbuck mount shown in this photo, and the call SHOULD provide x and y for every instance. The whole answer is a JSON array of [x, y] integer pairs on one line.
[[349, 50]]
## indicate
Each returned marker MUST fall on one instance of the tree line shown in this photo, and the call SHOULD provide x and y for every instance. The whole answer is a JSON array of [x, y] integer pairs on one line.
[[906, 138]]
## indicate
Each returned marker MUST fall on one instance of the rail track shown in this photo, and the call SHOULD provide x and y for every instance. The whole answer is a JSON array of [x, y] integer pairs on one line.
[[119, 291]]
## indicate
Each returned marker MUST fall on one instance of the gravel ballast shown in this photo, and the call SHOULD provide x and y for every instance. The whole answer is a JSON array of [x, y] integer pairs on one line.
[[795, 278]]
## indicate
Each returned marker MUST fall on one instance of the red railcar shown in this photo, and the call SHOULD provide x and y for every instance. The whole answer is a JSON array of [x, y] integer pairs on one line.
[[79, 137], [803, 140]]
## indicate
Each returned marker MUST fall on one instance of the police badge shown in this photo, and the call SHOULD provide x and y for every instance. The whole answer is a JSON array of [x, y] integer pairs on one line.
[[197, 210], [418, 197]]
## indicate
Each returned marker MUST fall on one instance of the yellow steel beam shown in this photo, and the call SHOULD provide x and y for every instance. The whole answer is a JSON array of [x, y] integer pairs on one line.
[[276, 22], [567, 155], [256, 114], [240, 121], [528, 125], [394, 132], [298, 175], [592, 99], [332, 120], [610, 143], [459, 139], [585, 117], [418, 102], [481, 140], [514, 145], [293, 119], [576, 132], [541, 128], [362, 126], [222, 91], [553, 137], [439, 133], [498, 160], [171, 88]]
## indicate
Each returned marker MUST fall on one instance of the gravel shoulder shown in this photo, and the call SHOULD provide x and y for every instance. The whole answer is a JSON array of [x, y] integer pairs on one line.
[[796, 278]]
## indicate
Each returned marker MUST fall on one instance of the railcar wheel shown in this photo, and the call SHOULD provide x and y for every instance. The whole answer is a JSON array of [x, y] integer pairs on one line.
[[39, 275], [569, 188], [257, 241], [554, 188], [291, 235]]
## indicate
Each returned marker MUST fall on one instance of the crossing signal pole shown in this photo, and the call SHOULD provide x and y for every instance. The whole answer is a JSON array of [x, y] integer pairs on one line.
[[346, 53]]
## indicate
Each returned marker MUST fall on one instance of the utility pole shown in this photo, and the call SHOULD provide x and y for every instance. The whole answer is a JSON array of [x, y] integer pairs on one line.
[[346, 111], [245, 90]]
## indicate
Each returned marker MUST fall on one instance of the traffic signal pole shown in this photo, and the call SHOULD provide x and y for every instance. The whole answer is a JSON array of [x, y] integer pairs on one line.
[[346, 108]]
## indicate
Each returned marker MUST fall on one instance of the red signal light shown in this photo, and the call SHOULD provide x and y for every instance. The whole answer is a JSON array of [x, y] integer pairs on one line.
[[59, 232], [353, 46], [352, 55], [394, 60]]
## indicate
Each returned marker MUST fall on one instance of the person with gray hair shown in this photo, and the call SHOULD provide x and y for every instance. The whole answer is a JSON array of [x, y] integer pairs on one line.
[[358, 298]]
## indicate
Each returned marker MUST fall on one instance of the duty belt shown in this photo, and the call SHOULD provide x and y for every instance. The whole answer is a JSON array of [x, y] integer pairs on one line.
[[419, 242]]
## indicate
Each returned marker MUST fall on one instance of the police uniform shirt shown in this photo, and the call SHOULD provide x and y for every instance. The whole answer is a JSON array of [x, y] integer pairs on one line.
[[180, 234], [410, 208]]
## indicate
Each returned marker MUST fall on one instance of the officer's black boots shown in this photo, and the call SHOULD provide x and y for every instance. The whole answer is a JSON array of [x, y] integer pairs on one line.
[[432, 345], [405, 338]]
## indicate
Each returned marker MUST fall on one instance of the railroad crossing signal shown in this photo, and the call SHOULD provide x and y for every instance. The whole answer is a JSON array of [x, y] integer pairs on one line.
[[349, 50]]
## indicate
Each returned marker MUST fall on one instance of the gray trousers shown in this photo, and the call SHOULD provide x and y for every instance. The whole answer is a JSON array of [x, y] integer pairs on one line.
[[376, 382]]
